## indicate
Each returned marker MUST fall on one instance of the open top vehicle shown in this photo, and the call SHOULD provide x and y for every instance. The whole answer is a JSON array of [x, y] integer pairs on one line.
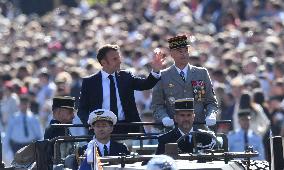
[[47, 154]]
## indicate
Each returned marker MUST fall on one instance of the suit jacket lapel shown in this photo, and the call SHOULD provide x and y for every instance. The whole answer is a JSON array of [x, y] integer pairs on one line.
[[175, 75], [178, 133], [119, 87], [190, 76], [99, 89], [111, 148]]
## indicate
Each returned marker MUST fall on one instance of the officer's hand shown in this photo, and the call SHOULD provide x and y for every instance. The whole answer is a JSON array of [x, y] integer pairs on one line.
[[210, 120], [168, 122]]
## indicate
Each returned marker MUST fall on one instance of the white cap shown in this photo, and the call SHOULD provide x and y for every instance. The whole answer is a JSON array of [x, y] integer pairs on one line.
[[102, 114], [160, 162]]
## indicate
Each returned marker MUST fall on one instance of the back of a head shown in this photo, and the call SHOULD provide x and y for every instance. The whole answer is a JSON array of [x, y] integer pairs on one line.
[[245, 100], [258, 96]]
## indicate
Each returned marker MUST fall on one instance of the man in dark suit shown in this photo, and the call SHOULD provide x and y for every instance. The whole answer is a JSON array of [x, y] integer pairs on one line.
[[113, 89], [184, 118], [102, 122]]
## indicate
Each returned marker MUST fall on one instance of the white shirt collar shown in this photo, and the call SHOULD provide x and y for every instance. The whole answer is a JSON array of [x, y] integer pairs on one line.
[[105, 74], [101, 145]]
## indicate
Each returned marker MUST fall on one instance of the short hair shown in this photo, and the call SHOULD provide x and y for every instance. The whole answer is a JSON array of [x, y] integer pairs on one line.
[[104, 49]]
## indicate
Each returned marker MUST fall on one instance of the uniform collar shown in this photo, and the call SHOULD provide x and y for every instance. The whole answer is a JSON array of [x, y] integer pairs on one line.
[[250, 132], [53, 121], [181, 132], [185, 69], [101, 145]]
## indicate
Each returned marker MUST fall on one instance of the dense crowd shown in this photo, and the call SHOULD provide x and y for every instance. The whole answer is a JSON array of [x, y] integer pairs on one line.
[[239, 42]]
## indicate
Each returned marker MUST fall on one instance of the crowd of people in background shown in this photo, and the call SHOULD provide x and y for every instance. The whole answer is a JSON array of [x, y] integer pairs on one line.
[[239, 42]]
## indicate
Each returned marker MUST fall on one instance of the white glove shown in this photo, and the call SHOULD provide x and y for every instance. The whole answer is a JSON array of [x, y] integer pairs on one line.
[[168, 122], [210, 120]]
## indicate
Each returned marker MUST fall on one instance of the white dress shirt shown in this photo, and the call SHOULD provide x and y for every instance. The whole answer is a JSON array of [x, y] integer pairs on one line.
[[15, 129], [106, 95], [101, 147]]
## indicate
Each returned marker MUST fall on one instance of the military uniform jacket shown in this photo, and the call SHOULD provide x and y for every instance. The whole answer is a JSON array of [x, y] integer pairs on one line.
[[185, 147], [52, 132], [171, 87]]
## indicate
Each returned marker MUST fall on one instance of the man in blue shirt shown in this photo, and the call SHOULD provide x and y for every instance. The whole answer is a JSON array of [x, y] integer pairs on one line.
[[244, 137], [23, 128]]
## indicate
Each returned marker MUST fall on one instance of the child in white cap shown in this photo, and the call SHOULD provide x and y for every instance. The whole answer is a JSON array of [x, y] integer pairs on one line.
[[102, 122]]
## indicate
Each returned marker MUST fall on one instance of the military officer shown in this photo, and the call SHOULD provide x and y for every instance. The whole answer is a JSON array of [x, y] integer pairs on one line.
[[102, 122], [243, 137], [184, 118], [63, 112], [183, 80]]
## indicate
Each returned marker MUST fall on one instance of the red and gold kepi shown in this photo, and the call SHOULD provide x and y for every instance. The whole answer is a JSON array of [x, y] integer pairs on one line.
[[178, 42]]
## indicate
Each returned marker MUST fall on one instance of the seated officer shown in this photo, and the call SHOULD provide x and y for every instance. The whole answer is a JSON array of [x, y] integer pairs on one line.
[[184, 117], [63, 112], [102, 122]]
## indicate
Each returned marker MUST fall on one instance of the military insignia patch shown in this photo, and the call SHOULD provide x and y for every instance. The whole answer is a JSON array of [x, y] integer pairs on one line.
[[171, 100]]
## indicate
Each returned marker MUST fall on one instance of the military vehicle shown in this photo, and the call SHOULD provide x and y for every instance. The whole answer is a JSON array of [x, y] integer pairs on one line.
[[46, 154]]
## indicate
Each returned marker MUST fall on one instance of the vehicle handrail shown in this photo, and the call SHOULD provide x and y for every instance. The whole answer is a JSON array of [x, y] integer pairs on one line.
[[139, 124]]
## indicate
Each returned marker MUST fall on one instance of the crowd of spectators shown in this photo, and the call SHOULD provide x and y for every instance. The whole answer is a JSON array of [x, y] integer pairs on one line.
[[239, 42]]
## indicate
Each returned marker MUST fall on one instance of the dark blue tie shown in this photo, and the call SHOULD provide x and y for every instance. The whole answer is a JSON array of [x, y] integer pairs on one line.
[[105, 150], [113, 99], [245, 140], [26, 132], [182, 75], [186, 139]]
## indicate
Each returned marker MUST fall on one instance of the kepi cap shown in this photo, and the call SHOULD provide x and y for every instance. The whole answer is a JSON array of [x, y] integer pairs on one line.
[[63, 102], [178, 42], [102, 114], [184, 104]]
